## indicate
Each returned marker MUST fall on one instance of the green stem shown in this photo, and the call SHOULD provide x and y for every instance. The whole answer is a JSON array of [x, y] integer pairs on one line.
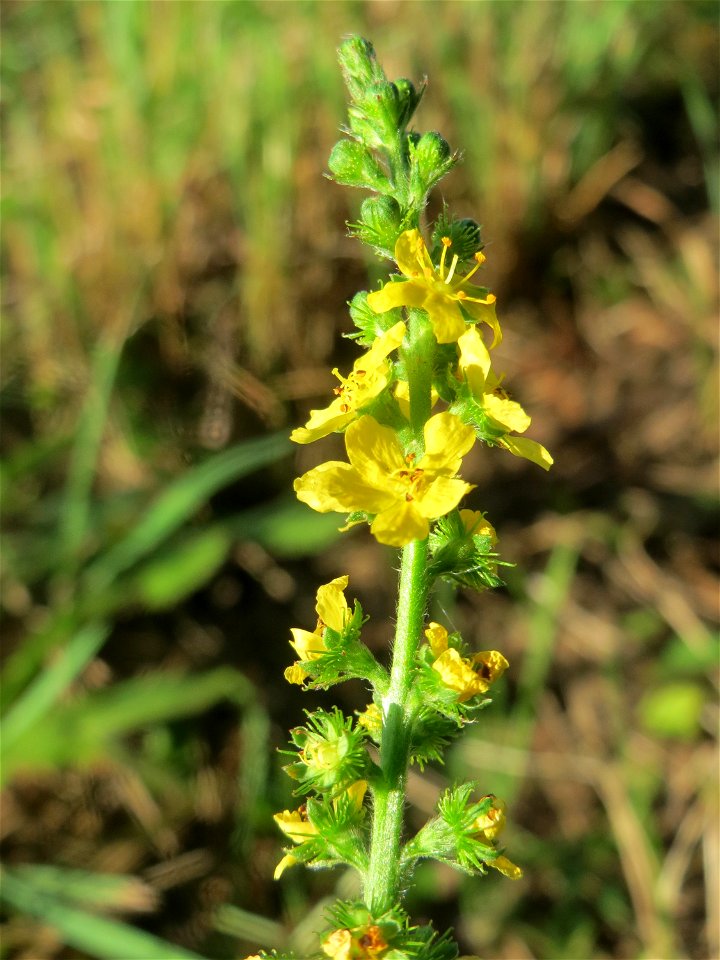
[[382, 886], [418, 354]]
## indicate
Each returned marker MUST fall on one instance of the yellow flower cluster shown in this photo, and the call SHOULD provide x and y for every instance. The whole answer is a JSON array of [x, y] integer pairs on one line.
[[384, 479]]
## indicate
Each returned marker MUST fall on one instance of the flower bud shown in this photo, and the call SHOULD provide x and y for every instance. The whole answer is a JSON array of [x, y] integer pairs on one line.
[[359, 65], [410, 97], [380, 224], [430, 160], [350, 163]]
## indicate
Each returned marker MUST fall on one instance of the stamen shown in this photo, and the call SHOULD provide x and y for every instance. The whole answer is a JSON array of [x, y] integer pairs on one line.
[[446, 242], [449, 277]]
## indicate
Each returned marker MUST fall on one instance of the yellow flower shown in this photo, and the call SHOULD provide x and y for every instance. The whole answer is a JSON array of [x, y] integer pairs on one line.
[[468, 676], [491, 823], [296, 825], [380, 479], [489, 826], [505, 414], [333, 612], [366, 944], [436, 291], [368, 378]]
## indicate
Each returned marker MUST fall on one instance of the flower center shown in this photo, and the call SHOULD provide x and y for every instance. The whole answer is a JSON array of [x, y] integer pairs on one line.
[[411, 478], [349, 387]]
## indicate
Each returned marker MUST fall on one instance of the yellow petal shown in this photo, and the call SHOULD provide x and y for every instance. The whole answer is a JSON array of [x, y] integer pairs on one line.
[[323, 422], [457, 674], [441, 496], [477, 526], [490, 665], [491, 823], [338, 945], [381, 347], [375, 452], [295, 674], [294, 825], [447, 440], [338, 486], [307, 645], [445, 316], [411, 255], [509, 414], [528, 449], [506, 867], [332, 607], [399, 524], [356, 793], [287, 861], [437, 637], [474, 363], [400, 293], [484, 313]]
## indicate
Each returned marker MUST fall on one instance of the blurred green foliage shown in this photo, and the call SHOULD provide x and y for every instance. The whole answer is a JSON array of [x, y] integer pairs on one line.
[[176, 269]]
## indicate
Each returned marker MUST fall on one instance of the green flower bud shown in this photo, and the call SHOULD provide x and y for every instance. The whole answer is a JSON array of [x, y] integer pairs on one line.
[[410, 97], [359, 65], [380, 224], [430, 160], [381, 104], [350, 163]]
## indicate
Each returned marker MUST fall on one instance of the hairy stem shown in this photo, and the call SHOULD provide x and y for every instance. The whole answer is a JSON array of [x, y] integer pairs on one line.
[[382, 888]]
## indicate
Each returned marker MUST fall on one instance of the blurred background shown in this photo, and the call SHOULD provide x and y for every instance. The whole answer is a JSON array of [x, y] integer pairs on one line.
[[176, 273]]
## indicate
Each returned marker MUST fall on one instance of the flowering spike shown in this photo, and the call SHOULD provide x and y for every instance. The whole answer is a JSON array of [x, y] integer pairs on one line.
[[403, 477]]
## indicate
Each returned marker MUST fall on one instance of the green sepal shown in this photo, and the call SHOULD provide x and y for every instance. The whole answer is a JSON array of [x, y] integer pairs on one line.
[[460, 556], [352, 164], [329, 753], [345, 657], [452, 836], [342, 829], [430, 735], [465, 236], [370, 324]]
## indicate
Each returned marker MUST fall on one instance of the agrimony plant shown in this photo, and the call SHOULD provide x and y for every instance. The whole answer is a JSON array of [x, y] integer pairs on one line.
[[421, 394]]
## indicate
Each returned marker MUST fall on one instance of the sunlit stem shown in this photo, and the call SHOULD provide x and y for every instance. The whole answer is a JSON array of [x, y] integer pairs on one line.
[[382, 885]]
